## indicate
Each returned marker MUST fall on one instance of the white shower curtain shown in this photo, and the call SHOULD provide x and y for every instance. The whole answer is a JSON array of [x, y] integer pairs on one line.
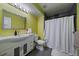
[[47, 32], [52, 35], [59, 34], [66, 33], [71, 35]]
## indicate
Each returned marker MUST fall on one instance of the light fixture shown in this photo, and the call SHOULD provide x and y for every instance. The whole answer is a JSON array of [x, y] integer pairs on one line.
[[24, 9], [20, 7], [15, 4]]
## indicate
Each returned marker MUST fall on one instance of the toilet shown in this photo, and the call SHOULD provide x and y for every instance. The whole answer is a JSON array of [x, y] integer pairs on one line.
[[40, 45]]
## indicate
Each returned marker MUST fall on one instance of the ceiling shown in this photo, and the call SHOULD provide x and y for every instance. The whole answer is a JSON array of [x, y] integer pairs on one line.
[[32, 9], [55, 8], [27, 7], [49, 8]]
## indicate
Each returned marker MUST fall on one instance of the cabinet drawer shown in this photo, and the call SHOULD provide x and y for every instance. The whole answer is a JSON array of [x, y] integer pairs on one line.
[[8, 52]]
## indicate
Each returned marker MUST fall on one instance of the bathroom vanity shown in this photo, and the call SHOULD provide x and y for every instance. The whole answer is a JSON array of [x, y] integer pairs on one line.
[[19, 45]]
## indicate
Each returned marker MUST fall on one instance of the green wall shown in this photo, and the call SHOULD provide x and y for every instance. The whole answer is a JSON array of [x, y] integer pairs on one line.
[[30, 19], [77, 16], [41, 26], [40, 21], [32, 22]]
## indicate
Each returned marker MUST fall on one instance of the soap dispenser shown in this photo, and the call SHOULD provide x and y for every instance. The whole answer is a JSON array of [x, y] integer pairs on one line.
[[15, 33]]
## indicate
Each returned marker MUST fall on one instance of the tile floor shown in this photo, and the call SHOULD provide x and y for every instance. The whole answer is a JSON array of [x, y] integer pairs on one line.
[[35, 52]]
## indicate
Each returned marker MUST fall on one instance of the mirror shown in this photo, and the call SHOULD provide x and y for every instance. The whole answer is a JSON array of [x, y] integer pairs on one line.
[[13, 21]]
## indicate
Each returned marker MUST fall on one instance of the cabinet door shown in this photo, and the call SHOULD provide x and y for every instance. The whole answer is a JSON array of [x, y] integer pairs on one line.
[[17, 51], [30, 45], [25, 48]]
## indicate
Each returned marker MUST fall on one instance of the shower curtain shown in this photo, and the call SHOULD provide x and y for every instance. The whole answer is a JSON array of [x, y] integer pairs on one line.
[[59, 34]]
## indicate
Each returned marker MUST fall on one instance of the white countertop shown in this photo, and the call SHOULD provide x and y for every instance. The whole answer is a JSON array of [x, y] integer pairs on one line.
[[17, 36]]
